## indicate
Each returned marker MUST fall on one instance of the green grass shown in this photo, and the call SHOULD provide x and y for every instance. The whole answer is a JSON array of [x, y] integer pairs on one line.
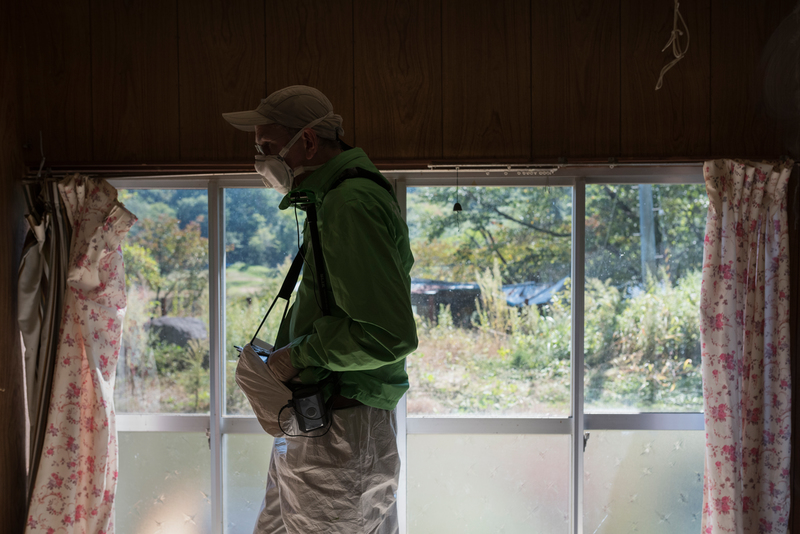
[[243, 280]]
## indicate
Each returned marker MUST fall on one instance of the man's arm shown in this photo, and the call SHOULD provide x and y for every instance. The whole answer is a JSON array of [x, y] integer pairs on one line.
[[369, 283]]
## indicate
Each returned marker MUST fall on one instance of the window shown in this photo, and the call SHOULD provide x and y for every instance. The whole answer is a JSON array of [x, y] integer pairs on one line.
[[517, 368], [644, 248], [164, 354], [490, 288]]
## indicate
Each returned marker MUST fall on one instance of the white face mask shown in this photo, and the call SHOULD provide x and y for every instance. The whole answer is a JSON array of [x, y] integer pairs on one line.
[[274, 170]]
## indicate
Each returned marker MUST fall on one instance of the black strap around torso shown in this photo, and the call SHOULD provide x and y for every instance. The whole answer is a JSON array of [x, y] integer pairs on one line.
[[358, 172], [290, 282]]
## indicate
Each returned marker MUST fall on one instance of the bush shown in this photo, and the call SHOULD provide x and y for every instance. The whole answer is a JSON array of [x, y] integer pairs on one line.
[[642, 351], [653, 356], [243, 316]]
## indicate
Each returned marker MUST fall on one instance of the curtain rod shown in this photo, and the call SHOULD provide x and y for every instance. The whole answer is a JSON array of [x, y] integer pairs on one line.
[[131, 171]]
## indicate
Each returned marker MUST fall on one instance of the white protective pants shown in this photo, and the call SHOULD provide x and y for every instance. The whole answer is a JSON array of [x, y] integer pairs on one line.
[[343, 482]]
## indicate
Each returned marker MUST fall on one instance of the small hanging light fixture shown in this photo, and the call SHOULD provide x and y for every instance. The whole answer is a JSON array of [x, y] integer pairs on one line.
[[457, 205]]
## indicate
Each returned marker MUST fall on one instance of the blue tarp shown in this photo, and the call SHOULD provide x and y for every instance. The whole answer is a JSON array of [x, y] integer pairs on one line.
[[525, 294], [529, 293]]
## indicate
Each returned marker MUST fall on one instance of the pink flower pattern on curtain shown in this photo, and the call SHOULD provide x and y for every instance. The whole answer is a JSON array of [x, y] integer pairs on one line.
[[745, 348], [77, 476]]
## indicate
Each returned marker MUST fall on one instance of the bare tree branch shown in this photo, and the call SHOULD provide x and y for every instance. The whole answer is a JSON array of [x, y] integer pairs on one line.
[[492, 244], [528, 225], [613, 194]]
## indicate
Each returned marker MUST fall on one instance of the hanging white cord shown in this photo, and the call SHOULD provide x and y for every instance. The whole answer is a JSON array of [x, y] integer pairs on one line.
[[674, 40]]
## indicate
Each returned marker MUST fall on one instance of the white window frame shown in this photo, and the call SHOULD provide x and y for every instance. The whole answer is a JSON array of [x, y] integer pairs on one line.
[[216, 424]]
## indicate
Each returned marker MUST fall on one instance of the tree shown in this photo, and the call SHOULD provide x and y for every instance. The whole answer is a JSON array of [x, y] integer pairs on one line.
[[256, 231], [528, 230], [613, 243], [181, 257]]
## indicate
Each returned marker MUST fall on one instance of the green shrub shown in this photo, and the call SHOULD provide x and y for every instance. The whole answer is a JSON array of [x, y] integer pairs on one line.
[[652, 358]]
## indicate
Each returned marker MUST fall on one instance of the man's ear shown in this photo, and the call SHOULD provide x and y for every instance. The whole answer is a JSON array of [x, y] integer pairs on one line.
[[310, 143]]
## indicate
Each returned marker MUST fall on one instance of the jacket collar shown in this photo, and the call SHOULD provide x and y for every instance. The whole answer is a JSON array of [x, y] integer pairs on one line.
[[321, 179]]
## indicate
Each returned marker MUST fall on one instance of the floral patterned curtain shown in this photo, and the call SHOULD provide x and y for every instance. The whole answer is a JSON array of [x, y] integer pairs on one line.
[[745, 344], [41, 287], [76, 481]]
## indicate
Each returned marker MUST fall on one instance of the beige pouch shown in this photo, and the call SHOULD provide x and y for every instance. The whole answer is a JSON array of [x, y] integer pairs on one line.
[[267, 394]]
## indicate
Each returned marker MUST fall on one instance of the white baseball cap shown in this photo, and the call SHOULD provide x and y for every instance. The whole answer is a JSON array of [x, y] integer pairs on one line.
[[293, 107]]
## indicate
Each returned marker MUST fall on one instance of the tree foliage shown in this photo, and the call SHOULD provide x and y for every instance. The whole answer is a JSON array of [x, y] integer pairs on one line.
[[526, 229], [175, 261], [529, 231], [256, 231]]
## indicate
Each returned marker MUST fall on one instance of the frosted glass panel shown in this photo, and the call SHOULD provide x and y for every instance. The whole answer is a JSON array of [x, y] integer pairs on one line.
[[643, 481], [246, 466], [488, 483], [164, 483]]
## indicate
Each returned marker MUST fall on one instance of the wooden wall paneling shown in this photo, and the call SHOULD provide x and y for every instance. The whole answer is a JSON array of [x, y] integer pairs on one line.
[[221, 55], [779, 66], [398, 90], [673, 121], [740, 125], [12, 396], [486, 80], [575, 73], [135, 81], [311, 43], [57, 80]]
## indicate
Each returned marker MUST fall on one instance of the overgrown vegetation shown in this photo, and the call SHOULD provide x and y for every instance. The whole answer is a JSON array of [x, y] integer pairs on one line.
[[642, 353], [641, 339]]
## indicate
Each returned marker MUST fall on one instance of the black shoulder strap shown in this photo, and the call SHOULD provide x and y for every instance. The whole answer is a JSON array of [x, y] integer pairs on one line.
[[321, 274], [358, 172], [290, 281], [285, 291]]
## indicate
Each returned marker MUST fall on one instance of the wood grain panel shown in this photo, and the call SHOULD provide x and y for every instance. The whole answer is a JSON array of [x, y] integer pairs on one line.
[[135, 81], [311, 43], [673, 121], [398, 91], [576, 90], [12, 401], [221, 54], [57, 80], [779, 65], [740, 125], [486, 81]]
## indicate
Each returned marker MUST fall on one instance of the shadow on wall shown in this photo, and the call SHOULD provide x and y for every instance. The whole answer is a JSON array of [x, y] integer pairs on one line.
[[780, 70]]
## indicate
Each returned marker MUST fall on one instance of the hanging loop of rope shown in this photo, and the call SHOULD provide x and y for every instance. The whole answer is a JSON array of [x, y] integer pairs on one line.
[[677, 50]]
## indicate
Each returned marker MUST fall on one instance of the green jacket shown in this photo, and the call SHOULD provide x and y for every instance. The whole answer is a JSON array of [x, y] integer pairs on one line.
[[371, 328]]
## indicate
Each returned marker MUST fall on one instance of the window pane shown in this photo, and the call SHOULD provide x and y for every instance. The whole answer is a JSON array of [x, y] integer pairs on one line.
[[644, 247], [490, 290], [246, 466], [164, 483], [643, 481], [488, 483], [163, 364], [260, 243]]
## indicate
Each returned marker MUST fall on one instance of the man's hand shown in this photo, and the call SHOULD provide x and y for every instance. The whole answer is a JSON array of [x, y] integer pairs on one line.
[[281, 364]]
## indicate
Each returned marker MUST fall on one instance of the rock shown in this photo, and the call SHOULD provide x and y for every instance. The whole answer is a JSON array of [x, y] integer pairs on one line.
[[178, 330]]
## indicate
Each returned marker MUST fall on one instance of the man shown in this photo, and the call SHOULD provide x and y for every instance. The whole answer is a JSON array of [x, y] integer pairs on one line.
[[346, 480]]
